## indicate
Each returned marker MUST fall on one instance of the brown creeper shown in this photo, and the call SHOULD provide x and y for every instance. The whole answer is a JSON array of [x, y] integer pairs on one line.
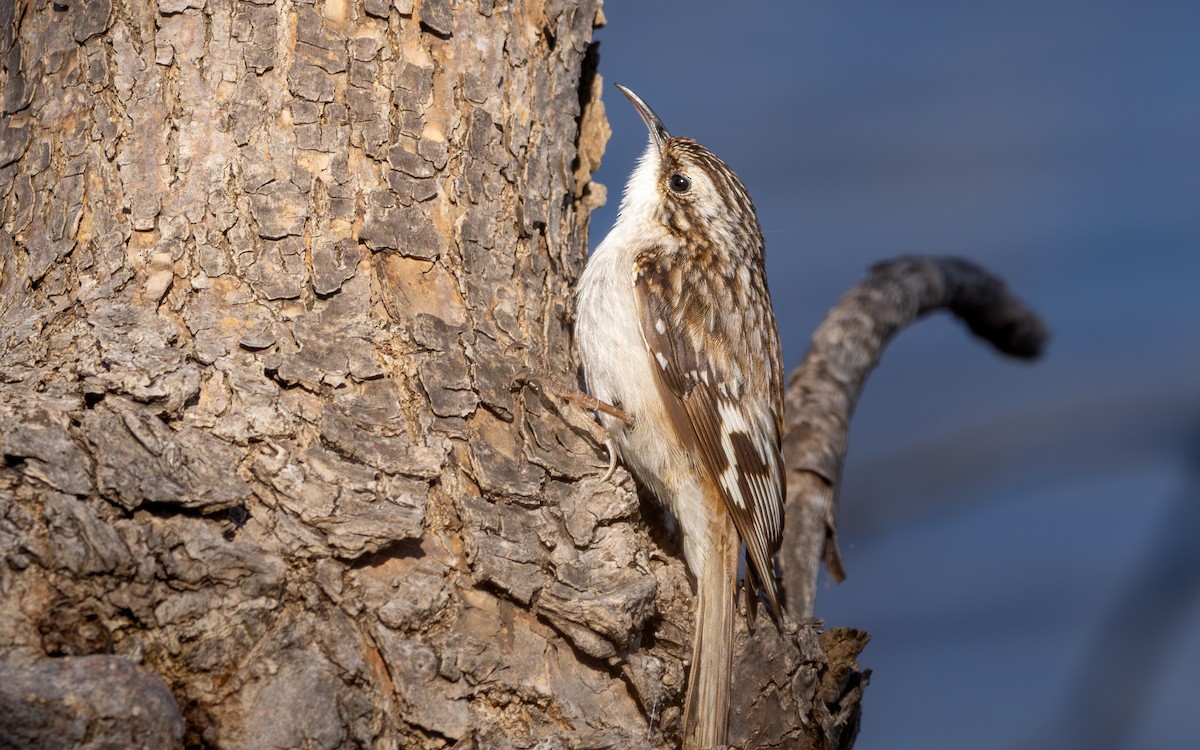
[[675, 327]]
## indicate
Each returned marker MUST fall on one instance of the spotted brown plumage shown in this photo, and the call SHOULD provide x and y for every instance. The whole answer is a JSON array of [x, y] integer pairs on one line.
[[729, 413], [674, 323]]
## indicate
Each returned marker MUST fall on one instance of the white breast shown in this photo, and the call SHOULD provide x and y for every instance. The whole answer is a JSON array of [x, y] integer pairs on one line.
[[619, 371]]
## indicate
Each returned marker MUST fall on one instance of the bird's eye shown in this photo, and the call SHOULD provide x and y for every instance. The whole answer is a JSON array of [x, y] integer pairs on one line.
[[679, 184]]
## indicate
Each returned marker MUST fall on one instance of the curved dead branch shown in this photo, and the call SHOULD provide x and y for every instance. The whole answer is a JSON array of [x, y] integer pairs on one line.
[[823, 390]]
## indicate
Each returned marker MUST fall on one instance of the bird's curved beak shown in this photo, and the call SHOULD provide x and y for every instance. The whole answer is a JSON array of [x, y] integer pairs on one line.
[[657, 131]]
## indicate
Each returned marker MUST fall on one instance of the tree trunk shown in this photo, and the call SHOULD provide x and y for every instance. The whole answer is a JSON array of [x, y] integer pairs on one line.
[[268, 274]]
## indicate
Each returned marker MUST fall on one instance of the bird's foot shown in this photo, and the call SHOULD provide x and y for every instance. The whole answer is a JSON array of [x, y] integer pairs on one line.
[[547, 386], [588, 402]]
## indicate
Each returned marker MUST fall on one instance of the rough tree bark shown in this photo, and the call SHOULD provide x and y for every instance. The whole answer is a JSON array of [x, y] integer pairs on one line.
[[825, 387], [271, 274], [267, 272]]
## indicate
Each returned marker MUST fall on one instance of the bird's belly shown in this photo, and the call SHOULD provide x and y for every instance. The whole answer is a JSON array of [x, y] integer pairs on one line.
[[618, 370]]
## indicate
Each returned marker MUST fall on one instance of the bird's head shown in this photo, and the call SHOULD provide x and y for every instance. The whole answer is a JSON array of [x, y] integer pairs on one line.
[[683, 189]]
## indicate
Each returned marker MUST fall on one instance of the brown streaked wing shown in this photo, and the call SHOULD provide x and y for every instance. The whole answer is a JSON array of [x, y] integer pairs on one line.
[[737, 438]]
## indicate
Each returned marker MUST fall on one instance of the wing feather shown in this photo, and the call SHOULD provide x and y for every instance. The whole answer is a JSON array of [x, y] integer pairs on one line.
[[731, 420]]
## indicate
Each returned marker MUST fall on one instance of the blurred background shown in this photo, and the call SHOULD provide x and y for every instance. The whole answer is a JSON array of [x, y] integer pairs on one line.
[[1022, 541]]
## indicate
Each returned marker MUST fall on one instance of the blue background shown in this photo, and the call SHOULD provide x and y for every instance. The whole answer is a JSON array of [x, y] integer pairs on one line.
[[1022, 541]]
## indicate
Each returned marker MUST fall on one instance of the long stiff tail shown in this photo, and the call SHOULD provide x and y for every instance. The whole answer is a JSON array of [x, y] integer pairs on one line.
[[706, 712]]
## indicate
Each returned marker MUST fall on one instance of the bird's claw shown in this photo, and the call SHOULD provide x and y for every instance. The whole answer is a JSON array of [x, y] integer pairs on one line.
[[527, 377], [524, 377], [611, 447]]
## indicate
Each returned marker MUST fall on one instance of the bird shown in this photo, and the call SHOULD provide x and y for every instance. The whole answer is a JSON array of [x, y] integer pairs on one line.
[[675, 328]]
